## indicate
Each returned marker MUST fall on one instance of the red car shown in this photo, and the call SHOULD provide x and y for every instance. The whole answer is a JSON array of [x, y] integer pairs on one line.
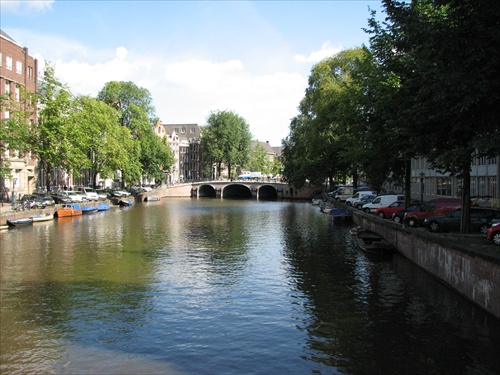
[[494, 234], [384, 212]]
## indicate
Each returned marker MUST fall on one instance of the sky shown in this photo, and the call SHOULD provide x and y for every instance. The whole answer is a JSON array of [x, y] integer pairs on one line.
[[195, 57]]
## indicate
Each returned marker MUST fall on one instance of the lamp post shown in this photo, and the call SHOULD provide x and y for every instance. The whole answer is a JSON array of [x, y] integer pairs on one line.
[[14, 183], [422, 175]]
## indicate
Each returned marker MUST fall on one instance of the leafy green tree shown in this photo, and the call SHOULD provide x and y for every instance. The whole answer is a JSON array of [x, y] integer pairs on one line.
[[148, 155], [258, 160], [156, 155], [446, 57], [323, 132], [226, 139], [15, 130], [50, 139], [129, 99], [97, 134]]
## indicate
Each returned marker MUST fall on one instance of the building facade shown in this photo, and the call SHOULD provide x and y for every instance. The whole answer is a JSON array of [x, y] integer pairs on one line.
[[18, 72], [429, 183], [185, 142]]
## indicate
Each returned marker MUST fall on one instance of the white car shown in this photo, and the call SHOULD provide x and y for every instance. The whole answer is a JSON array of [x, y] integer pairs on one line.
[[75, 197], [89, 193]]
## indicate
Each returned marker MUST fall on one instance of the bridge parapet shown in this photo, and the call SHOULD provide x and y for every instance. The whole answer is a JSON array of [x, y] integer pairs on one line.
[[239, 188]]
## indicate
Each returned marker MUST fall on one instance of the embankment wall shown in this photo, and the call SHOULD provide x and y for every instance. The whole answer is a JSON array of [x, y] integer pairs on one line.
[[467, 264]]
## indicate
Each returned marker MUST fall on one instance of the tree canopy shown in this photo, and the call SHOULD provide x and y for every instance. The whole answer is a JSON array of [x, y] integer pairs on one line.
[[226, 139]]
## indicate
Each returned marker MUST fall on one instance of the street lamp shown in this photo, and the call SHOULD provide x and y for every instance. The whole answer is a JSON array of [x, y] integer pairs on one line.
[[422, 175], [14, 183]]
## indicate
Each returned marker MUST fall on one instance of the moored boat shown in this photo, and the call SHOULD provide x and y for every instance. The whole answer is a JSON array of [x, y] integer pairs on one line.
[[19, 222], [67, 210], [42, 217], [373, 243], [124, 203], [341, 214], [103, 207], [89, 209], [317, 200], [152, 198]]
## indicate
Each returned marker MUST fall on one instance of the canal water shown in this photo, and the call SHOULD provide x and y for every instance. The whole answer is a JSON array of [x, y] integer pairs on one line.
[[213, 286]]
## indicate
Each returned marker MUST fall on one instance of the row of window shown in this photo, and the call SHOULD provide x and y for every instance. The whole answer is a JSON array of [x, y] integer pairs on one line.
[[449, 186], [19, 66], [183, 130], [421, 163]]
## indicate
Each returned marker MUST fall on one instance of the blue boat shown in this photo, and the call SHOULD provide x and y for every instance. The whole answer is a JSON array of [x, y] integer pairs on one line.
[[103, 207], [89, 209], [341, 214], [125, 203]]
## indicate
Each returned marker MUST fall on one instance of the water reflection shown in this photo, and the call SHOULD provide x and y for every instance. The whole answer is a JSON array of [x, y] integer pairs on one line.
[[211, 286]]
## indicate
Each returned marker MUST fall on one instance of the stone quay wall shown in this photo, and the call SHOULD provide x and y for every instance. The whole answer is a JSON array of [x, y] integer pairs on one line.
[[468, 264]]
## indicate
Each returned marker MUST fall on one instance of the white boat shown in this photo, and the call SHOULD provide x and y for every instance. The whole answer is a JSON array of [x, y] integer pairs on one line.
[[42, 217]]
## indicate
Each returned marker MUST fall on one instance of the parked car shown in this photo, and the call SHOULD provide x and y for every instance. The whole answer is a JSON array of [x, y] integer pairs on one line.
[[75, 197], [382, 201], [384, 212], [120, 193], [357, 196], [494, 234], [103, 194], [480, 220], [88, 192], [399, 215], [434, 207], [61, 197], [33, 201], [366, 199], [49, 201]]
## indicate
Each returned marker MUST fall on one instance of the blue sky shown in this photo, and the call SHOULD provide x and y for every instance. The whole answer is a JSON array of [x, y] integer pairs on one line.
[[251, 57]]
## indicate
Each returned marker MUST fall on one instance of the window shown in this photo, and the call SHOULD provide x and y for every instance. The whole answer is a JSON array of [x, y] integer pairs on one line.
[[1, 59], [19, 67], [8, 63], [183, 131], [7, 87], [18, 93], [30, 72], [193, 130]]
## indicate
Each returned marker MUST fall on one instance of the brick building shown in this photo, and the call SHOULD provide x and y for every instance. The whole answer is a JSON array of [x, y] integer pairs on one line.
[[18, 72]]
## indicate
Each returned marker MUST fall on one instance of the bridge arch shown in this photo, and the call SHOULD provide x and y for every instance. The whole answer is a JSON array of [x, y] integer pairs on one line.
[[206, 191], [267, 192], [236, 191]]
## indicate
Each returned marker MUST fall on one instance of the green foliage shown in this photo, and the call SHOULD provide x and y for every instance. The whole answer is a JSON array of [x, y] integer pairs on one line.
[[51, 139], [129, 99], [226, 139], [331, 114], [16, 129]]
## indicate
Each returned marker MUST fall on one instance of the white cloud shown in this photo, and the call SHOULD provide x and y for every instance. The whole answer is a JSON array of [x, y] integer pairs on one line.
[[121, 53], [326, 51], [28, 6], [183, 90]]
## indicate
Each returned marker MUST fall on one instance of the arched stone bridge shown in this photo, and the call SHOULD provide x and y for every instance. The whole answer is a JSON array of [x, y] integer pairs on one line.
[[239, 189]]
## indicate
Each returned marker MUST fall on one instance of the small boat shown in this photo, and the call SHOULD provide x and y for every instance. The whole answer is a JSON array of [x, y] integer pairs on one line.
[[152, 198], [3, 227], [103, 207], [19, 222], [317, 200], [69, 209], [89, 209], [124, 203], [373, 243], [42, 217], [341, 214], [326, 207]]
